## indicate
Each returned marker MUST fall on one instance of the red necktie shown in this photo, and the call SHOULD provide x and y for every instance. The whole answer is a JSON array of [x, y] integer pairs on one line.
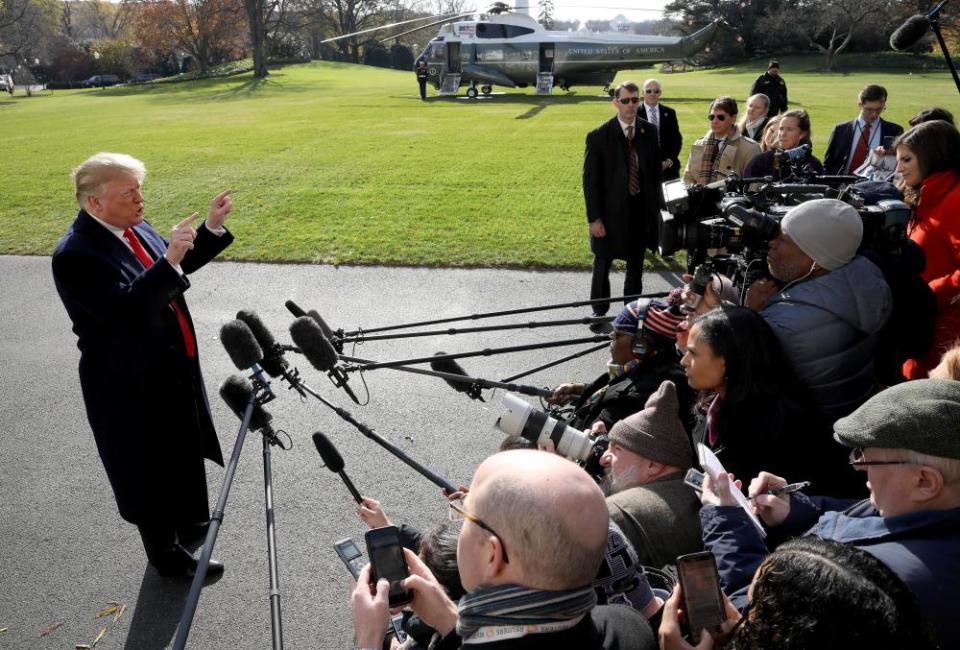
[[860, 153], [633, 184], [188, 341]]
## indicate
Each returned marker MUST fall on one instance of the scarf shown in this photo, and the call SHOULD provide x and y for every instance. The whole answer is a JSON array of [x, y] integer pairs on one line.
[[516, 606], [711, 156]]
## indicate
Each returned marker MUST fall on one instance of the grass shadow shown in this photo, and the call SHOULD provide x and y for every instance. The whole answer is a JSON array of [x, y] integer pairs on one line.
[[532, 112]]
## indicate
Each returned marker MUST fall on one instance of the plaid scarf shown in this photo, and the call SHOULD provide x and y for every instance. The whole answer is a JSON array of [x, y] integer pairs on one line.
[[711, 157], [513, 605]]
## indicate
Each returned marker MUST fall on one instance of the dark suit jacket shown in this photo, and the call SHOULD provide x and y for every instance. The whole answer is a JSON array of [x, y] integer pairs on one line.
[[841, 140], [606, 170], [671, 141], [145, 398]]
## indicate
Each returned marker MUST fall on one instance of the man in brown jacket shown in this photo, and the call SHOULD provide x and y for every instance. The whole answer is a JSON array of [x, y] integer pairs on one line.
[[648, 456]]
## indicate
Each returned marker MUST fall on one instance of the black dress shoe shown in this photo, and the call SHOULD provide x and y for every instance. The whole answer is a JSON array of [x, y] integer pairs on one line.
[[178, 563]]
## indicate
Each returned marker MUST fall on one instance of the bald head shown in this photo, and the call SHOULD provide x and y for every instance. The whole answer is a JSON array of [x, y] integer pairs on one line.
[[551, 514]]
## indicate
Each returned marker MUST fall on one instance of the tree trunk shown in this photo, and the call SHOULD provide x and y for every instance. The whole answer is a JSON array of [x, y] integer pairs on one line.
[[257, 37]]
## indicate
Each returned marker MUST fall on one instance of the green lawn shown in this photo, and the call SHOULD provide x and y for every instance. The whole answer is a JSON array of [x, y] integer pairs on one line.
[[335, 163]]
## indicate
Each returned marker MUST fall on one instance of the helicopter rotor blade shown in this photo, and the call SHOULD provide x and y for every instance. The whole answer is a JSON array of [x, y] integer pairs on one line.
[[402, 22], [427, 26]]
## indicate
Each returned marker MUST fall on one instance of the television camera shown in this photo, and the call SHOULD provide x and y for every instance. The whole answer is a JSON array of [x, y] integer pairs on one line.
[[726, 227]]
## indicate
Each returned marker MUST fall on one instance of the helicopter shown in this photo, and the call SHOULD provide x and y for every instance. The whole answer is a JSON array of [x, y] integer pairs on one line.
[[511, 49]]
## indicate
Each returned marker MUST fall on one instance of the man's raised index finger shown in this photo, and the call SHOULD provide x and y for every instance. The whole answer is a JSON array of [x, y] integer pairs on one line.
[[222, 195], [189, 220]]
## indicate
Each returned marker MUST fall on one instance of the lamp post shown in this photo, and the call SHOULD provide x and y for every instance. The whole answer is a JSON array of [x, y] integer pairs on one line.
[[96, 57]]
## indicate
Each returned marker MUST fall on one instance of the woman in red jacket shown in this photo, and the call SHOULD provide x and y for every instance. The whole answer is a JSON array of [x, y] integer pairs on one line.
[[928, 159]]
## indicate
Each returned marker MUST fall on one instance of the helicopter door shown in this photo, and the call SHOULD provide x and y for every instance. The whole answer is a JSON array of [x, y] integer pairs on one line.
[[453, 58], [546, 57]]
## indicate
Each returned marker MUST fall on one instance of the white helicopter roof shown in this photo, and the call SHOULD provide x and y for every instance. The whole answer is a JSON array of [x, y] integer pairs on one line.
[[466, 31]]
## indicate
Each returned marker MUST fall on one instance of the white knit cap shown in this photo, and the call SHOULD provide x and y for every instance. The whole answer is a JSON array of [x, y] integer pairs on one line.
[[827, 230]]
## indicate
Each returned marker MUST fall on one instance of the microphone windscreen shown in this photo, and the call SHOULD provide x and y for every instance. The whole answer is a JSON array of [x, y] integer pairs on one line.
[[331, 457], [450, 366], [308, 336], [240, 344], [907, 35], [270, 361], [322, 323], [236, 392]]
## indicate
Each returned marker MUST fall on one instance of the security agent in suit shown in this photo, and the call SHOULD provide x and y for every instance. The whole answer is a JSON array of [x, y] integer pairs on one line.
[[668, 129], [122, 285], [621, 188], [845, 152]]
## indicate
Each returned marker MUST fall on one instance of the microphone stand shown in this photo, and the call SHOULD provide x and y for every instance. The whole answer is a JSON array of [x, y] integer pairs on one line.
[[508, 312], [934, 18], [569, 357], [363, 338], [261, 395], [431, 476], [478, 353], [476, 383]]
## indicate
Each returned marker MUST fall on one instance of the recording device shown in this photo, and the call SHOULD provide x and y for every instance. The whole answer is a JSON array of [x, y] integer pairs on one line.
[[298, 312], [522, 419], [351, 555], [910, 32], [318, 350], [244, 350], [272, 353], [334, 462], [888, 141], [694, 478], [387, 561], [732, 226], [450, 366], [702, 599], [786, 157], [236, 392]]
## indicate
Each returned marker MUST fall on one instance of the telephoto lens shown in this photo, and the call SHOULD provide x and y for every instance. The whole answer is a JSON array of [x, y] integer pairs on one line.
[[522, 419]]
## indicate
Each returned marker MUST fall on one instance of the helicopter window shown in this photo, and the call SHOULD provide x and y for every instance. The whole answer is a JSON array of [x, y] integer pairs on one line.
[[495, 30], [435, 52]]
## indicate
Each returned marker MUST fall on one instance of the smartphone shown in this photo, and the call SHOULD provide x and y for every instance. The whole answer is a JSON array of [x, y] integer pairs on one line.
[[694, 479], [351, 555], [387, 561], [702, 598], [888, 144]]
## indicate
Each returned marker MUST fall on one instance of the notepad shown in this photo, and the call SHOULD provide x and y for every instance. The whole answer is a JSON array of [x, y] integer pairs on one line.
[[712, 466]]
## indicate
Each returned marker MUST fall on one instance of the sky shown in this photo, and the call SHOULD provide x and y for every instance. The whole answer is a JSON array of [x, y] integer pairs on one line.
[[583, 10]]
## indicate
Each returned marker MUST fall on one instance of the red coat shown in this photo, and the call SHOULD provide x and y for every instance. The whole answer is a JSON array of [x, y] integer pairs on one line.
[[937, 230]]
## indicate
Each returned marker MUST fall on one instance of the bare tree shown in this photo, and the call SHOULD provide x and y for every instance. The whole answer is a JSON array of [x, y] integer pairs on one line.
[[828, 26], [25, 25], [349, 16]]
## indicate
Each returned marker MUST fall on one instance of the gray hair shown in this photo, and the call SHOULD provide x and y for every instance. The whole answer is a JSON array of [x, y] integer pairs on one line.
[[766, 100], [90, 176], [653, 81]]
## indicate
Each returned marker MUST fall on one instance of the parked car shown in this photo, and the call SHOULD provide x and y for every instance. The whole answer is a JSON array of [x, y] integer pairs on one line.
[[100, 80], [145, 76]]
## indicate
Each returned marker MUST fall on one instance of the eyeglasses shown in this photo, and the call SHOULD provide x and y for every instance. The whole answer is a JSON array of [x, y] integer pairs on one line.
[[476, 520], [718, 117], [872, 111], [629, 100], [652, 91], [857, 460]]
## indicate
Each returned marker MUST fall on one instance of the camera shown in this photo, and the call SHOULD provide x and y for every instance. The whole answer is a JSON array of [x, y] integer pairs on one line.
[[729, 224], [522, 419]]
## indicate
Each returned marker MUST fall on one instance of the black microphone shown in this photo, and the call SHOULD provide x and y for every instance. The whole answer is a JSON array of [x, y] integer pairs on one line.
[[907, 34], [318, 350], [334, 462], [236, 392], [243, 349], [450, 366], [272, 360], [298, 312]]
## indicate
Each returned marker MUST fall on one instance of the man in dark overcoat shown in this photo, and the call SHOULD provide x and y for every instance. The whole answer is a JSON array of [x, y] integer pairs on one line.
[[122, 285], [621, 187]]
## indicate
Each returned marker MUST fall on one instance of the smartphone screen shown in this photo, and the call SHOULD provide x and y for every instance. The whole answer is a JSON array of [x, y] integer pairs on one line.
[[386, 558], [888, 144], [702, 599], [351, 555]]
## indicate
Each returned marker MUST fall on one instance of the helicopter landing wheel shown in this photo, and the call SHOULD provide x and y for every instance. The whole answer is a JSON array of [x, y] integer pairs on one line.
[[472, 92], [486, 90]]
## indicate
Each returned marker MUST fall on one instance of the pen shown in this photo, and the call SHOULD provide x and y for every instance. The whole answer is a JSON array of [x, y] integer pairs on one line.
[[784, 489]]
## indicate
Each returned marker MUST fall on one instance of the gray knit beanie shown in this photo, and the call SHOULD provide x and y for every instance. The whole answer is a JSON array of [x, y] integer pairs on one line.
[[827, 230], [921, 415], [657, 432]]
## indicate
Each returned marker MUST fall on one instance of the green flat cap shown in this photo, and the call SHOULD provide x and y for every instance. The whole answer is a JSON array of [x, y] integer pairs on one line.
[[921, 415]]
